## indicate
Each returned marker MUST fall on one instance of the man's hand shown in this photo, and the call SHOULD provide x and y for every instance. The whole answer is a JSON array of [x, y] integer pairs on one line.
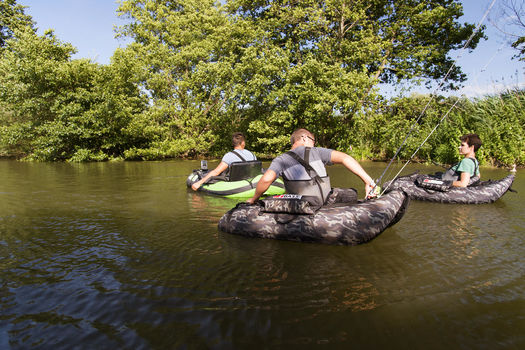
[[263, 184], [218, 170], [368, 191], [196, 185], [372, 190]]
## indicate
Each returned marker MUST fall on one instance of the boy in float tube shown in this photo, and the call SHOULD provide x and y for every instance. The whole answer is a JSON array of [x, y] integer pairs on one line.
[[465, 172]]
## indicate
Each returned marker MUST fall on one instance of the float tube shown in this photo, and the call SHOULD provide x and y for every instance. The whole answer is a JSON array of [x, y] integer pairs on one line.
[[339, 223], [240, 181], [478, 193]]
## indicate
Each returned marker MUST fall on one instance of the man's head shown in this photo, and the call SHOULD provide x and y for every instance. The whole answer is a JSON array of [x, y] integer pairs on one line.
[[302, 135], [471, 140], [237, 139]]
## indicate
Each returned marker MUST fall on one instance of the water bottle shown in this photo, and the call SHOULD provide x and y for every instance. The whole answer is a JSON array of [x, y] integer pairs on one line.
[[204, 165]]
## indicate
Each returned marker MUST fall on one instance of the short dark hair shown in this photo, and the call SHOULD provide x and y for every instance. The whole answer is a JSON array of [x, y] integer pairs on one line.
[[298, 133], [472, 140], [237, 138]]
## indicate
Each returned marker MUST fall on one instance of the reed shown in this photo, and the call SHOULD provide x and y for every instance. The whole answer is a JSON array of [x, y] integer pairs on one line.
[[498, 119]]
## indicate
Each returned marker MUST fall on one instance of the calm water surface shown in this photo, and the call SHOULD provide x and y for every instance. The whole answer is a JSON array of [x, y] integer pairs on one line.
[[123, 256]]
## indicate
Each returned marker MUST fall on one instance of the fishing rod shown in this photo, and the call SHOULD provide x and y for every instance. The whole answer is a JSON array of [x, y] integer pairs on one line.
[[478, 27], [421, 145]]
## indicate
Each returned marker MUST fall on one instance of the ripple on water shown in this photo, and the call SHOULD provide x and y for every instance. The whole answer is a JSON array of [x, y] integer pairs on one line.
[[138, 262]]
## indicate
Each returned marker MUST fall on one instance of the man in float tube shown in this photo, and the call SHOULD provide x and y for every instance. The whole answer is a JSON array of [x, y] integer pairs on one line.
[[466, 172], [239, 153], [303, 169]]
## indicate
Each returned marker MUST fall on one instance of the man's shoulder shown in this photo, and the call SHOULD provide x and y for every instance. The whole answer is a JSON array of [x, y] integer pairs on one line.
[[229, 154], [324, 153], [282, 156], [230, 157], [247, 151], [301, 149]]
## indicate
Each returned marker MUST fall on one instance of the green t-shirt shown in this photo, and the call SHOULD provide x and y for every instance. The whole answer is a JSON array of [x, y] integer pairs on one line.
[[467, 165]]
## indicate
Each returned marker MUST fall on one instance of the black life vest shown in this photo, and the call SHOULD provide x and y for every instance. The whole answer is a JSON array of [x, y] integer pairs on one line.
[[454, 175], [316, 190]]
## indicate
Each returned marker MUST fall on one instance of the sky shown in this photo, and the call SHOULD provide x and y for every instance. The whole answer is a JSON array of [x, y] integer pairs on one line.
[[89, 26]]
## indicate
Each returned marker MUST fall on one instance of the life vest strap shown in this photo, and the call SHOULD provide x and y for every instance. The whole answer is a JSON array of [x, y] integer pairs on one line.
[[239, 155], [311, 171]]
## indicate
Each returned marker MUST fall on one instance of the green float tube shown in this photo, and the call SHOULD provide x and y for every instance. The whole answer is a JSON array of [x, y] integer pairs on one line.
[[239, 181]]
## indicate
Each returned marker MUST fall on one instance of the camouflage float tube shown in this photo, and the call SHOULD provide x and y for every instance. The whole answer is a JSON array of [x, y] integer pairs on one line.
[[480, 193], [338, 223], [221, 186]]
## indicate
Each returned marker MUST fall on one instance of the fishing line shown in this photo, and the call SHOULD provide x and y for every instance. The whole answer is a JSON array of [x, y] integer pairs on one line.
[[430, 100], [492, 58], [421, 145]]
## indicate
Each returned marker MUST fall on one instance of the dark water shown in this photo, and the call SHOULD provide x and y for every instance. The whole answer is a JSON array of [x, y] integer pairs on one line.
[[123, 256]]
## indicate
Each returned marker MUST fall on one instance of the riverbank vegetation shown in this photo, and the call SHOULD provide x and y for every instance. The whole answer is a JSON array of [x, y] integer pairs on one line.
[[197, 71]]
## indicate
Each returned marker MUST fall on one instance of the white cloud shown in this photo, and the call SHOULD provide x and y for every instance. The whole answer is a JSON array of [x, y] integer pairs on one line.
[[492, 89]]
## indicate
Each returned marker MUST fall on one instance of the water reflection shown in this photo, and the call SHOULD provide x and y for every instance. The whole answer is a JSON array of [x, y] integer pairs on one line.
[[208, 207], [125, 256]]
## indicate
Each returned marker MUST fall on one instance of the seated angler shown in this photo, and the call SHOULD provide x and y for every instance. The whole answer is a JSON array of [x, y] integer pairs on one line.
[[458, 185], [303, 169], [239, 154], [465, 172]]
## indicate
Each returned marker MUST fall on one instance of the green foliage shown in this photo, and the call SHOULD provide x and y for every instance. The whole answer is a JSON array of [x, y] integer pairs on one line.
[[501, 120], [498, 120], [12, 17], [188, 54], [59, 109], [199, 70], [268, 67], [392, 40]]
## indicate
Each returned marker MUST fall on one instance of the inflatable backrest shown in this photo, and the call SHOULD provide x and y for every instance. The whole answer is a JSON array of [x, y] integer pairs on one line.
[[244, 170]]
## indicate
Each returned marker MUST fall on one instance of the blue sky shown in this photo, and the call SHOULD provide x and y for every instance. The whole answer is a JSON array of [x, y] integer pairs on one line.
[[88, 25]]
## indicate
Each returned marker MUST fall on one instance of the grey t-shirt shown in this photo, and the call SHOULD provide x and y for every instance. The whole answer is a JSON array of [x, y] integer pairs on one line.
[[231, 157], [292, 170]]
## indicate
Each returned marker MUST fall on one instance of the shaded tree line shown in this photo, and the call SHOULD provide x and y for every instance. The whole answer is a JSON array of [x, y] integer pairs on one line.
[[198, 70]]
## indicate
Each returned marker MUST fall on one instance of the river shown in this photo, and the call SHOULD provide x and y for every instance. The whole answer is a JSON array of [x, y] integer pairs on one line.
[[123, 256]]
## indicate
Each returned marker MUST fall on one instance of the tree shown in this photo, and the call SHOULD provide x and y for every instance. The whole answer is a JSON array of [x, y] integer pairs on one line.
[[56, 108], [270, 66], [393, 39], [189, 52], [12, 17], [338, 51], [510, 20]]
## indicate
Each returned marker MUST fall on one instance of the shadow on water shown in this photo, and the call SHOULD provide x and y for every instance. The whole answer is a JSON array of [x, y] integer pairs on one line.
[[125, 256]]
